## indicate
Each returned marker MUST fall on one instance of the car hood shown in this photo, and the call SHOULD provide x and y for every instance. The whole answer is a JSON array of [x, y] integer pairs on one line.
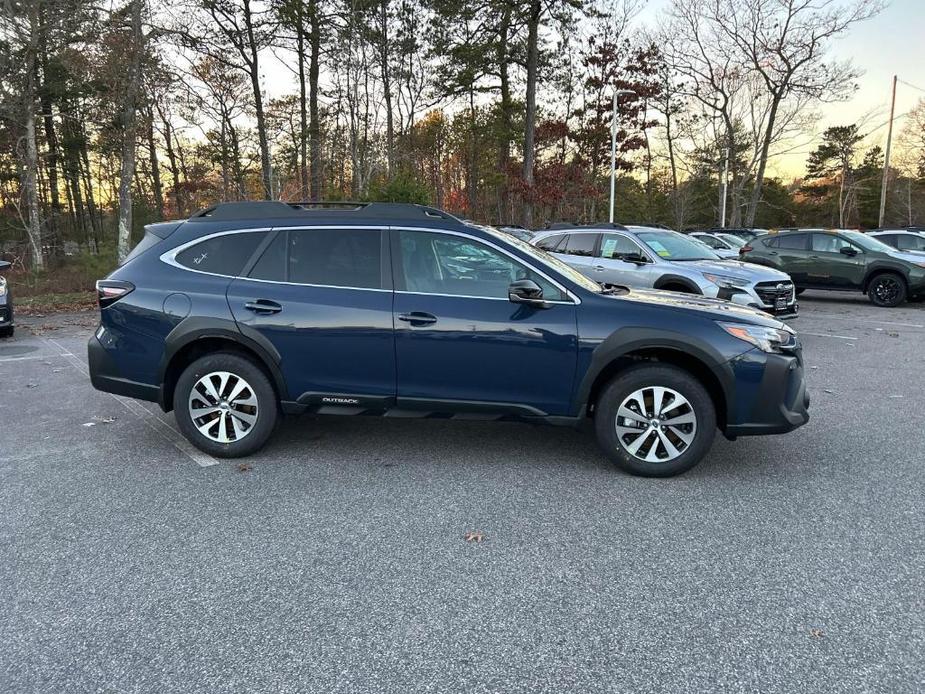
[[717, 309], [736, 268], [917, 257]]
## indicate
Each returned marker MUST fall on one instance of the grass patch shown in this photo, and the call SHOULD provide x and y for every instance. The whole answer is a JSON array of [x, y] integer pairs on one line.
[[42, 304]]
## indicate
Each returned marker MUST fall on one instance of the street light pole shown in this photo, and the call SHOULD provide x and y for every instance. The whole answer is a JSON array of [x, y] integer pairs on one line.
[[722, 204], [613, 147]]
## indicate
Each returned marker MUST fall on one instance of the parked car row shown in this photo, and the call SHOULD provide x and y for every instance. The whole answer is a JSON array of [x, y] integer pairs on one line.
[[639, 256], [249, 310]]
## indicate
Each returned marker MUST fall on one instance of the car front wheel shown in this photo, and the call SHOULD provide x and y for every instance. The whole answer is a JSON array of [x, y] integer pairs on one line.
[[225, 405], [887, 290], [655, 420]]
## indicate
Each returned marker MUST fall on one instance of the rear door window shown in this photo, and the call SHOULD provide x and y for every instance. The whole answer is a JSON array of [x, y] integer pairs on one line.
[[909, 242], [221, 255], [794, 242], [581, 244], [336, 257]]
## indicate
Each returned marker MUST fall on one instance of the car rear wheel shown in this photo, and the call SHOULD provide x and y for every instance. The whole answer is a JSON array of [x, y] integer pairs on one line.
[[887, 290], [800, 290], [225, 405], [655, 420], [7, 331]]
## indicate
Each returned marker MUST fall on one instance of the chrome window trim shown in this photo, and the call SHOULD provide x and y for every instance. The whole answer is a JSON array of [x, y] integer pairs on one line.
[[575, 299], [170, 258]]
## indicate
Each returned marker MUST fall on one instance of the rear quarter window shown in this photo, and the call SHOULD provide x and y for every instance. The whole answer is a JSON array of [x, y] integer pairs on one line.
[[221, 255]]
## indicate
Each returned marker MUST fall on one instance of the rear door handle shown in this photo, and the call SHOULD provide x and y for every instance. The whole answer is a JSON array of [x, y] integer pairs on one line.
[[263, 306], [418, 318]]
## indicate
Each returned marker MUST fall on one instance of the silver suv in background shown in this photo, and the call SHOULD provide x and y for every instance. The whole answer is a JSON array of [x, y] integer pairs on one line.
[[638, 256]]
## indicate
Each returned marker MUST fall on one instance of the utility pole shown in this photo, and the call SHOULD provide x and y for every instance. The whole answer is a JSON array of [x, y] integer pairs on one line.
[[725, 183], [886, 157], [613, 147]]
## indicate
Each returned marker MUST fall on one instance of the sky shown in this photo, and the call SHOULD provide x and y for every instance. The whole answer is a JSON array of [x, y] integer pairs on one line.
[[892, 43]]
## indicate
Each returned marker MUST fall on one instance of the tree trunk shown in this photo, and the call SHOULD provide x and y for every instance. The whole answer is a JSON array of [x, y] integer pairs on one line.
[[386, 83], [129, 112], [762, 164], [314, 126], [31, 163], [253, 65], [51, 142], [155, 167], [504, 152], [303, 113], [471, 175], [533, 26]]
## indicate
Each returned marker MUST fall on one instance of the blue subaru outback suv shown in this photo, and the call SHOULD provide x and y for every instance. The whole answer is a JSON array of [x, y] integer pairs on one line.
[[249, 310]]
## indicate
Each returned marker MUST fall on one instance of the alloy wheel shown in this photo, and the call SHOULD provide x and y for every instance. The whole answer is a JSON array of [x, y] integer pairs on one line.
[[223, 406], [656, 424], [887, 290]]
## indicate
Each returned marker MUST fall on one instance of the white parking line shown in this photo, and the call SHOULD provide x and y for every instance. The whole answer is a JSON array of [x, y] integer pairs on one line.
[[840, 337], [863, 320], [34, 356], [148, 418]]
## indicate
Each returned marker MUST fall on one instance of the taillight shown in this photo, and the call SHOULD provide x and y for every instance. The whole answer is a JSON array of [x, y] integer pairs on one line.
[[110, 291], [745, 249]]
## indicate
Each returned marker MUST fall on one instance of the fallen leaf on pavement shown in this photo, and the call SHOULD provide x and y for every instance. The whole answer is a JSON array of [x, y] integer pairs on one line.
[[816, 633], [474, 536], [244, 467]]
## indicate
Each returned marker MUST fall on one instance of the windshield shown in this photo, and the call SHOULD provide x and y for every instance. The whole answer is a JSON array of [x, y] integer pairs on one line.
[[546, 259], [735, 241], [671, 245], [867, 242]]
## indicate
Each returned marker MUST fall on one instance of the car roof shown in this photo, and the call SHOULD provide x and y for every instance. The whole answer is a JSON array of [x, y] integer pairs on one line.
[[311, 211]]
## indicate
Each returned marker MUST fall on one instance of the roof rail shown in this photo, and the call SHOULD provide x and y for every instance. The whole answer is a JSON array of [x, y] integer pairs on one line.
[[261, 209]]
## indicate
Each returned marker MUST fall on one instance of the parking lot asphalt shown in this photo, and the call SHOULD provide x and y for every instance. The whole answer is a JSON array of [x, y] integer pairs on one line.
[[335, 559]]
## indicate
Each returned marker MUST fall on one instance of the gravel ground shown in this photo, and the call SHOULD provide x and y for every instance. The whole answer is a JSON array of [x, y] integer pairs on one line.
[[335, 560]]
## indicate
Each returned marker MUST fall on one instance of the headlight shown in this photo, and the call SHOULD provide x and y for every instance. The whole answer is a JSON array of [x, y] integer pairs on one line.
[[726, 280], [2, 286], [766, 339]]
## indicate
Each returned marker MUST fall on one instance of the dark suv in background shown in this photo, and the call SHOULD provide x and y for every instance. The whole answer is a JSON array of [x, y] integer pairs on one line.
[[247, 310], [841, 260]]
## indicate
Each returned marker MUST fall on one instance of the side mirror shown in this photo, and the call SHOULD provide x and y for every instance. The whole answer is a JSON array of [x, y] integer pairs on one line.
[[526, 292], [634, 258], [4, 265], [848, 251]]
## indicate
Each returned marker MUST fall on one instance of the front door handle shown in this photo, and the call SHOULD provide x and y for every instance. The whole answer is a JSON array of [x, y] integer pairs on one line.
[[418, 318], [263, 306], [599, 268]]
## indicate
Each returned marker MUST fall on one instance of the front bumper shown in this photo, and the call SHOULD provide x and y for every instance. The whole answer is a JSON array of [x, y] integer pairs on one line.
[[6, 310], [771, 396], [781, 303]]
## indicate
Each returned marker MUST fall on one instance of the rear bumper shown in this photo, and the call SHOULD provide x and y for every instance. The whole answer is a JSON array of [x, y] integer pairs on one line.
[[105, 376], [777, 402]]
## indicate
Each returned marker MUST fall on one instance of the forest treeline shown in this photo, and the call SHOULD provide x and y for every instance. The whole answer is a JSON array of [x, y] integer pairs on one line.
[[114, 115]]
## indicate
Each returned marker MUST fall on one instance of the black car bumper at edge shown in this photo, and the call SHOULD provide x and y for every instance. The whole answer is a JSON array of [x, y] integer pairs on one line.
[[6, 310], [781, 403]]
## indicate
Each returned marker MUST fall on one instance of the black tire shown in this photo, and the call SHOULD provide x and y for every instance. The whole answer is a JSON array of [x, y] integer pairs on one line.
[[887, 289], [642, 376], [243, 368], [7, 331], [800, 290]]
